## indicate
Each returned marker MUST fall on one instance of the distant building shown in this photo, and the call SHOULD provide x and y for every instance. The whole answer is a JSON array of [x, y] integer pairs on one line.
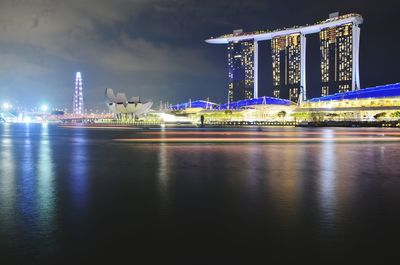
[[241, 70], [339, 59], [77, 102], [381, 103], [126, 109], [286, 66]]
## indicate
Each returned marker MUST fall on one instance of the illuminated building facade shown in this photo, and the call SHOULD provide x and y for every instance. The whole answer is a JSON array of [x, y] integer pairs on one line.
[[340, 37], [242, 68], [339, 58], [124, 108], [381, 103], [77, 104], [287, 65]]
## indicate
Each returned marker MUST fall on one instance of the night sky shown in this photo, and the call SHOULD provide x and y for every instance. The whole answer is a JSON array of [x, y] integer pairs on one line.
[[155, 49]]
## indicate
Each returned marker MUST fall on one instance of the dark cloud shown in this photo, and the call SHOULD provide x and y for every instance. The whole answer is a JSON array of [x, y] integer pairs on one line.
[[155, 48]]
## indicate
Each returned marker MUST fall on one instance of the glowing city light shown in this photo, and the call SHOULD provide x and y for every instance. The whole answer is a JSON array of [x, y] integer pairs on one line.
[[27, 119], [77, 104], [44, 108], [7, 106], [340, 34]]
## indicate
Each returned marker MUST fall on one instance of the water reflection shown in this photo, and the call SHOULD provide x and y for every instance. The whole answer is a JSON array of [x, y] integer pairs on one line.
[[163, 176], [7, 180], [46, 190], [253, 177], [327, 185], [27, 183], [79, 170], [167, 196], [284, 180]]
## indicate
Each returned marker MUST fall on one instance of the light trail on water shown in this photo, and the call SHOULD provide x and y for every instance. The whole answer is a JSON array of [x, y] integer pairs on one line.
[[259, 140]]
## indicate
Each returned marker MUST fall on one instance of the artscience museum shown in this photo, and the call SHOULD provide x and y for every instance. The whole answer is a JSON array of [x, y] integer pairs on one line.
[[124, 108]]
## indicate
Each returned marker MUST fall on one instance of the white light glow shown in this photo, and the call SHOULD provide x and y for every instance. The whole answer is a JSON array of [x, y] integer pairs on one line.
[[44, 108], [77, 107], [7, 106], [27, 119]]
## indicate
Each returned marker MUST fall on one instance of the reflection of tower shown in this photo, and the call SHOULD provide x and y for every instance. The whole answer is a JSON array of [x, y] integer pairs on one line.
[[77, 105]]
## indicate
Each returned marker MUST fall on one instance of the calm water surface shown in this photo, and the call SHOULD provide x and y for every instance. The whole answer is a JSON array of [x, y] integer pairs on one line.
[[74, 196]]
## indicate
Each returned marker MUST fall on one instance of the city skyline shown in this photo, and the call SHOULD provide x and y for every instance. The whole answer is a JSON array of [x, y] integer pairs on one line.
[[170, 63], [339, 37]]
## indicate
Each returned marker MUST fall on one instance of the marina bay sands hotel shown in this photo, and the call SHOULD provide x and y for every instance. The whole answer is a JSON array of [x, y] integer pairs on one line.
[[339, 50]]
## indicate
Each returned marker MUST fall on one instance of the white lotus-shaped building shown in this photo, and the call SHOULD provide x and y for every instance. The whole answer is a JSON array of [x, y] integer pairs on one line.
[[120, 105]]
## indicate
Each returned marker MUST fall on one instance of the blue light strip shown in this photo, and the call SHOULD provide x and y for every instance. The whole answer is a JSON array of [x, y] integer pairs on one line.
[[255, 101], [233, 105], [392, 90], [194, 104]]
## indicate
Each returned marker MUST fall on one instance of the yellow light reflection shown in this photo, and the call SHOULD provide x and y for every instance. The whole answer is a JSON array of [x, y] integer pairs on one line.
[[164, 162], [285, 183], [327, 184]]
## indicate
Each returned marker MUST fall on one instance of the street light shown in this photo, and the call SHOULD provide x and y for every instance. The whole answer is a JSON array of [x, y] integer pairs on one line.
[[7, 106], [44, 108]]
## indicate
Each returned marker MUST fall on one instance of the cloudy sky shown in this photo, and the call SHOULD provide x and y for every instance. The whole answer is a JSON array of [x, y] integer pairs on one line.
[[155, 49]]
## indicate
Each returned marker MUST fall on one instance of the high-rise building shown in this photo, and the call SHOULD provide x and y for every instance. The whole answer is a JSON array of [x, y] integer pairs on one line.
[[340, 38], [339, 58], [77, 104], [287, 66], [241, 70]]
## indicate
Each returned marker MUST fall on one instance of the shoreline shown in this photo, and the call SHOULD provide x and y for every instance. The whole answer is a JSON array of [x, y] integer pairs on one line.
[[320, 124]]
